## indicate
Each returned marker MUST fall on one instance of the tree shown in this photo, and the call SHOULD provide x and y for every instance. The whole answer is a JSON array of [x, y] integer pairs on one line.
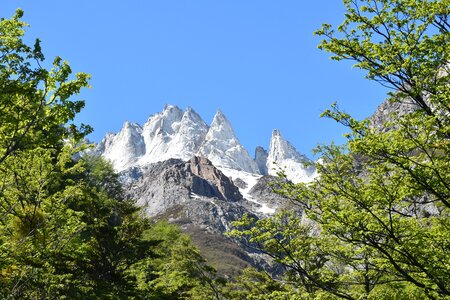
[[179, 271], [32, 98], [35, 107], [75, 237], [381, 200], [66, 229], [259, 285]]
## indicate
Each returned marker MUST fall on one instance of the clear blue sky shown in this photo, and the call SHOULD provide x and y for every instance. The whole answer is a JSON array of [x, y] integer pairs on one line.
[[255, 60]]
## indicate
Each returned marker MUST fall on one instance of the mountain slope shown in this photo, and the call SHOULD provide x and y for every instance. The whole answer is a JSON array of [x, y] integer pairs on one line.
[[124, 148]]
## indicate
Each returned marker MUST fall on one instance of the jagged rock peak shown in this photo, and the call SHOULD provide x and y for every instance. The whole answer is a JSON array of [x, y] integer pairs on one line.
[[220, 117], [189, 137], [174, 133], [129, 124], [223, 148], [159, 132], [261, 156], [165, 122], [281, 149], [193, 115], [276, 133], [221, 127], [284, 156]]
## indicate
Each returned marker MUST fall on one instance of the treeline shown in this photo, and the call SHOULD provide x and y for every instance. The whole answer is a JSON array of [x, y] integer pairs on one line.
[[375, 224]]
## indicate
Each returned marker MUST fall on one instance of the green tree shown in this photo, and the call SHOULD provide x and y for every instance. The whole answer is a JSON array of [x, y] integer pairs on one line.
[[381, 202], [80, 237], [66, 229], [259, 285], [35, 108], [32, 98], [179, 271]]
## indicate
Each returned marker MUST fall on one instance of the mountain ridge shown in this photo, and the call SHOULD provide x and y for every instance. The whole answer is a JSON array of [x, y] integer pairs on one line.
[[182, 134]]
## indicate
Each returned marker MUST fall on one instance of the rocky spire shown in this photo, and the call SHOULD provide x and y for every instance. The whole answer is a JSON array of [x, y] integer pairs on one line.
[[284, 156], [261, 156], [223, 149]]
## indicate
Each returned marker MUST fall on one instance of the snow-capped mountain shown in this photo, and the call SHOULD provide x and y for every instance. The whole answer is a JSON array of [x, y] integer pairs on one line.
[[284, 157], [174, 133], [189, 137]]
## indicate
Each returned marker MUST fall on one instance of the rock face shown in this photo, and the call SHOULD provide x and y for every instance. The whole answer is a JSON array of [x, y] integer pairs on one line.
[[283, 156], [203, 168], [164, 185], [385, 111], [264, 190], [125, 148], [261, 156], [201, 199]]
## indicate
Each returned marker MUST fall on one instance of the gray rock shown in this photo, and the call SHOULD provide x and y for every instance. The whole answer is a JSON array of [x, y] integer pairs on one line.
[[240, 183], [388, 110], [196, 189], [265, 190], [261, 160]]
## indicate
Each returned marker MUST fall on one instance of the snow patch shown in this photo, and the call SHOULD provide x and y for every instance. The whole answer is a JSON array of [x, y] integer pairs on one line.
[[250, 179]]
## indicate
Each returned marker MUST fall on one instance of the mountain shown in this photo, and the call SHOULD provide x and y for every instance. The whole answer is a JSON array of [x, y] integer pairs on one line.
[[199, 198], [189, 137], [123, 149], [388, 110], [284, 157], [174, 133], [201, 177]]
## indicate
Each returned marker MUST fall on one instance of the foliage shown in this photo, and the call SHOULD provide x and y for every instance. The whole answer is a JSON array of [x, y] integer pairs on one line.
[[379, 209], [179, 271], [259, 285], [32, 98]]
